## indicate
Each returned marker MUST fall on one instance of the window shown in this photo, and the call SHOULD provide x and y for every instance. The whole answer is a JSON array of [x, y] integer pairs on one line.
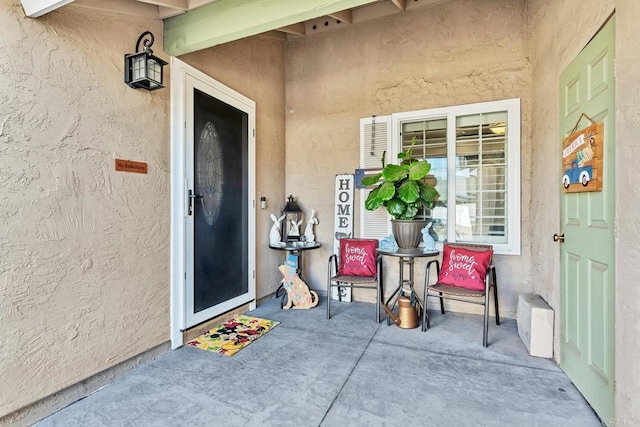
[[474, 151]]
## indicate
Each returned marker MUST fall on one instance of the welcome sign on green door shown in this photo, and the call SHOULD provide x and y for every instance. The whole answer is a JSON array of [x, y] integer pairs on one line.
[[582, 159]]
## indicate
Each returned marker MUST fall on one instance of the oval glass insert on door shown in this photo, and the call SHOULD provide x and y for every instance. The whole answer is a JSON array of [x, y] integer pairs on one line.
[[209, 172]]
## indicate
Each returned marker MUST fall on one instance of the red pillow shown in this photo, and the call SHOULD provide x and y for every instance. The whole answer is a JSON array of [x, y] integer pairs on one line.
[[464, 268], [358, 257]]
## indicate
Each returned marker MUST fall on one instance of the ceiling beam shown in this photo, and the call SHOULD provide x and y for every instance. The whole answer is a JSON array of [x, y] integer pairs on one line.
[[400, 4], [228, 20], [124, 7], [36, 8], [168, 12], [275, 35], [299, 29], [343, 16], [173, 4], [197, 3]]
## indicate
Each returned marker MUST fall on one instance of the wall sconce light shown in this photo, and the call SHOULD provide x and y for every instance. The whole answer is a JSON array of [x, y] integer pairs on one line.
[[143, 69]]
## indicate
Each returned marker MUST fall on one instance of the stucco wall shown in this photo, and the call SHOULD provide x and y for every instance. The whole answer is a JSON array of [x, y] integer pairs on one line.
[[255, 68], [84, 257], [552, 46], [457, 53]]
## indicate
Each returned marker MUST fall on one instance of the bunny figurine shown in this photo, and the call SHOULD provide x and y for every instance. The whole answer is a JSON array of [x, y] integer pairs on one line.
[[429, 241], [309, 237], [274, 233], [295, 227]]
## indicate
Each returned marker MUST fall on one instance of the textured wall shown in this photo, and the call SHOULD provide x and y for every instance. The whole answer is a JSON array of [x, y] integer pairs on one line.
[[548, 58], [255, 68], [627, 207], [84, 256], [84, 259], [457, 53]]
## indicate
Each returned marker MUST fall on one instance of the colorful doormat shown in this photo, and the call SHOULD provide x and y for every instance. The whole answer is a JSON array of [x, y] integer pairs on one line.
[[233, 335]]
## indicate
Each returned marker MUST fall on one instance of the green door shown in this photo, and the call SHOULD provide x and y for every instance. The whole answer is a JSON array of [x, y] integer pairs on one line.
[[587, 258]]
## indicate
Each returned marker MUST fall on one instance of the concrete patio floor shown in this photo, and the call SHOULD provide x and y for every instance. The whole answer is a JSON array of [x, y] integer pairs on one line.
[[347, 371]]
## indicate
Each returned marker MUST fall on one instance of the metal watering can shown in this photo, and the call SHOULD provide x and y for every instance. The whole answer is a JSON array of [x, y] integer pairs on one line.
[[407, 317]]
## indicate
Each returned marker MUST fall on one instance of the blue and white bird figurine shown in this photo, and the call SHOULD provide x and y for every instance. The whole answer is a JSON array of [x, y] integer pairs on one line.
[[388, 243]]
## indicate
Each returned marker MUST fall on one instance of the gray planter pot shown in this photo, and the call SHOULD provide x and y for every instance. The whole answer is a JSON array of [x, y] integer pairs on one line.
[[407, 232]]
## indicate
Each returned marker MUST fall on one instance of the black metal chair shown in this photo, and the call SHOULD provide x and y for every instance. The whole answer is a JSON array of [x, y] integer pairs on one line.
[[447, 291], [336, 280]]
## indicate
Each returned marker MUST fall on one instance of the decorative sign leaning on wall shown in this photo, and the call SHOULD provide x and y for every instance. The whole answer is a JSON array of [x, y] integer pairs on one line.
[[342, 224], [582, 153]]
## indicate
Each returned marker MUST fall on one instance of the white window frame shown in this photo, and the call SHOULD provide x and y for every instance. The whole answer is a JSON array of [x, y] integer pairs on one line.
[[512, 107]]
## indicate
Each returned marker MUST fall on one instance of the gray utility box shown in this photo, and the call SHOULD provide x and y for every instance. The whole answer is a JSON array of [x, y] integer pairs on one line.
[[535, 325]]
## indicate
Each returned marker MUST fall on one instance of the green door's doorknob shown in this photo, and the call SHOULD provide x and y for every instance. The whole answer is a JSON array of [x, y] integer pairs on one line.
[[558, 237]]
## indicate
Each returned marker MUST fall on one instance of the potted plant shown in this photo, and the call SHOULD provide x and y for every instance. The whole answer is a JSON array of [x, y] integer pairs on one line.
[[402, 190]]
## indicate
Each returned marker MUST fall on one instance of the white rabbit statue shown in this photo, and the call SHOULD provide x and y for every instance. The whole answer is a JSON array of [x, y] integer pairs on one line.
[[429, 241], [295, 227], [309, 237], [274, 233]]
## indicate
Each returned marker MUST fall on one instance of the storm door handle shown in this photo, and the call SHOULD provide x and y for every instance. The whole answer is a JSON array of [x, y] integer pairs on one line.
[[192, 196]]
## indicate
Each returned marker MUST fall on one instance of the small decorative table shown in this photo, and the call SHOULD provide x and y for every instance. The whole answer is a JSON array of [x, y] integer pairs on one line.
[[405, 257]]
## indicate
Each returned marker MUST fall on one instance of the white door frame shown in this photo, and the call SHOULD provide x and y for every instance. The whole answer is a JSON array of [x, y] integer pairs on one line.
[[179, 200]]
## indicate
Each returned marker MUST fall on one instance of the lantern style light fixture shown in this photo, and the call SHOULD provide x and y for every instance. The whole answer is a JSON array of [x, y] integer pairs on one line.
[[143, 69], [293, 221]]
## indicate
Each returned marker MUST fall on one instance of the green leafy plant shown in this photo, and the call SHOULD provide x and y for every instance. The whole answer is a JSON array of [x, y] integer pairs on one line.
[[401, 188]]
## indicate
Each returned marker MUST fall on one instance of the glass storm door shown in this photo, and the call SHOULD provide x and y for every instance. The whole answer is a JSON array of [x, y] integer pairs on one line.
[[587, 256], [219, 186]]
